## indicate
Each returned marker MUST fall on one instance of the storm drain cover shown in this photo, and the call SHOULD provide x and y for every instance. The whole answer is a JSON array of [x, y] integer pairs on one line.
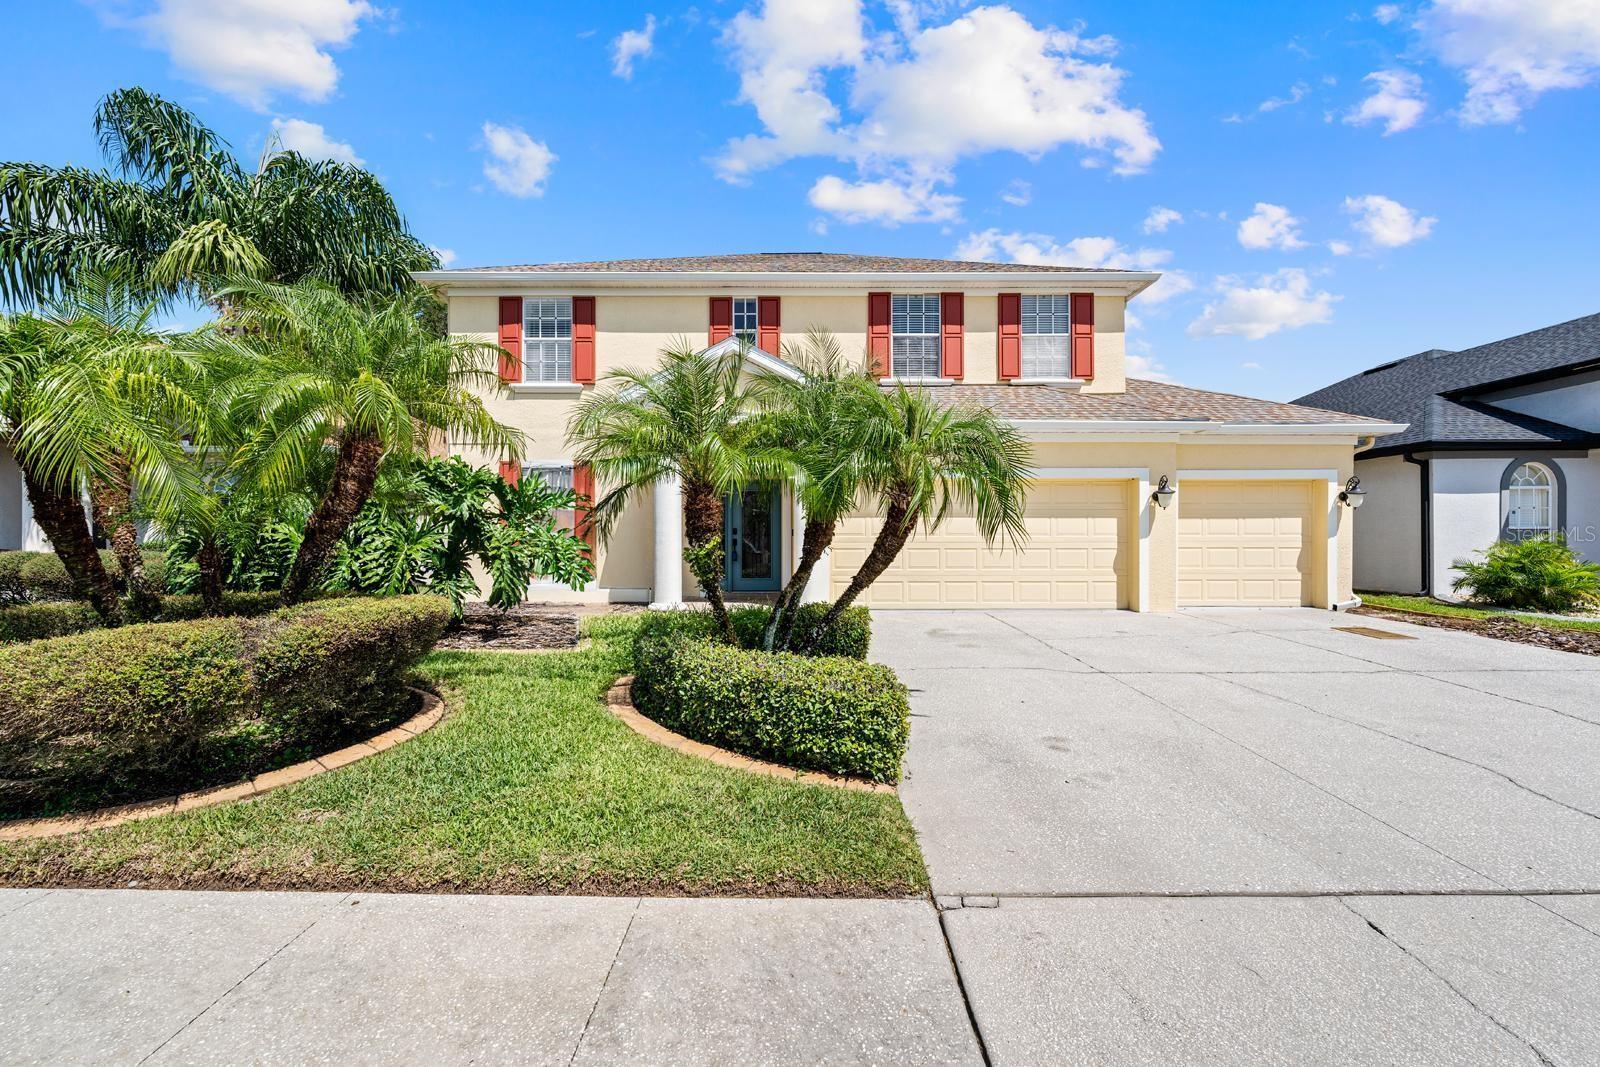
[[1382, 635]]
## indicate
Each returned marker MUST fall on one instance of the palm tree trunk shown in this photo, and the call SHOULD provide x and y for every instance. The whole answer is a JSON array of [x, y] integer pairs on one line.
[[209, 560], [702, 527], [355, 472], [815, 541], [899, 522], [112, 502], [60, 515]]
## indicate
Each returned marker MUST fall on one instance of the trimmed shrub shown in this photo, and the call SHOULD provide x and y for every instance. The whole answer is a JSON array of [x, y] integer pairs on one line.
[[58, 618], [124, 712], [29, 577], [850, 636], [1531, 575], [826, 713]]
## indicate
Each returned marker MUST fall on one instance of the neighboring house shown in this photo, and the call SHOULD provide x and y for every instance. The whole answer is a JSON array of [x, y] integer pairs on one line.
[[1501, 443], [1255, 520]]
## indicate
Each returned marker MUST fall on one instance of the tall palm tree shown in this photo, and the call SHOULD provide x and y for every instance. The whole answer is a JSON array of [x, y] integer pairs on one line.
[[816, 419], [316, 371], [177, 209], [920, 459], [82, 407], [693, 417]]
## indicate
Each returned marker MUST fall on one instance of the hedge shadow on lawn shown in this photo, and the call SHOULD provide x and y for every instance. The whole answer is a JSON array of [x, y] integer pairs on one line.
[[112, 716]]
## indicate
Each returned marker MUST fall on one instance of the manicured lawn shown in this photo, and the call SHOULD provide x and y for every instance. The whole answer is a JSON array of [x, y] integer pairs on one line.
[[530, 786], [1430, 606]]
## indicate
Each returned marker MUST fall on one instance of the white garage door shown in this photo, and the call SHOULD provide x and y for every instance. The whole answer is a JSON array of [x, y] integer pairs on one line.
[[1244, 543], [1076, 556]]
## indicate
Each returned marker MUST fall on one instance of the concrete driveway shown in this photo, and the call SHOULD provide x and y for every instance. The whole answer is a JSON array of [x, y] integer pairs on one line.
[[1248, 836]]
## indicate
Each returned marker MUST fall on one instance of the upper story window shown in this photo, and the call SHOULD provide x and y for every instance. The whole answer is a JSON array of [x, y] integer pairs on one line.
[[745, 319], [914, 333], [547, 339], [1046, 336], [1530, 503]]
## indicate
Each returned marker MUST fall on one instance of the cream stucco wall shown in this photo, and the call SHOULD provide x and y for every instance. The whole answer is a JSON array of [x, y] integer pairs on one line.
[[1388, 528]]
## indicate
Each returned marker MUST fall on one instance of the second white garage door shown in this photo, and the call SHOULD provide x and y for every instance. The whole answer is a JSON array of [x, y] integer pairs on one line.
[[1076, 557], [1244, 543]]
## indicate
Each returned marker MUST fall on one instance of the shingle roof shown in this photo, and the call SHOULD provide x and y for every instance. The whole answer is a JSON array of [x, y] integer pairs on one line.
[[1144, 401], [1434, 390], [789, 262]]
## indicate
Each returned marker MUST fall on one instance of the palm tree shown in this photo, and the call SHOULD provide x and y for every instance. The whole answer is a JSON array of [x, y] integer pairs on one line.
[[85, 408], [178, 209], [816, 419], [314, 370], [695, 418], [919, 459]]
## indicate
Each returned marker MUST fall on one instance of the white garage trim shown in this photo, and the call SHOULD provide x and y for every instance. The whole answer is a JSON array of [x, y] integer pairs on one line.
[[1141, 548], [1330, 481]]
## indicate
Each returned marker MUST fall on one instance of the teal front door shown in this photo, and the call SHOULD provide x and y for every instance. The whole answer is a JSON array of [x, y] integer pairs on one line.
[[750, 539]]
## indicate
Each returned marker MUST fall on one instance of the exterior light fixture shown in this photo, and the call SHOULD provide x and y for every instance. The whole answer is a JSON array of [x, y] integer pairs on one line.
[[1163, 494], [1353, 494]]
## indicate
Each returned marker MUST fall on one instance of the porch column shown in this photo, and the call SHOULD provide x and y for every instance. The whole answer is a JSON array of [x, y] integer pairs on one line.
[[667, 592], [32, 538]]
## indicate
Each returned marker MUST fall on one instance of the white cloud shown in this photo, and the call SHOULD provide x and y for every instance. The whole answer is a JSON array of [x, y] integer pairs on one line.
[[517, 164], [1511, 51], [1249, 365], [1018, 193], [1386, 13], [1160, 218], [912, 102], [312, 141], [1340, 248], [1045, 251], [629, 46], [1297, 93], [1271, 227], [1387, 223], [446, 256], [1141, 364], [253, 50], [887, 201], [1396, 101], [1281, 301]]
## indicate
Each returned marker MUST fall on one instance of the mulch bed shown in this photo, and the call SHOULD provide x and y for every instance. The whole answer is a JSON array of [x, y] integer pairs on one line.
[[527, 627], [1502, 627]]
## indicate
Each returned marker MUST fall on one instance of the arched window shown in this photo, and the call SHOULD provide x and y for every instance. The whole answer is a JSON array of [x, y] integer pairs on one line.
[[1531, 501]]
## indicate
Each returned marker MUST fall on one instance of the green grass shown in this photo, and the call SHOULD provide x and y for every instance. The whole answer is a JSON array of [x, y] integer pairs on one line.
[[529, 786], [1430, 606]]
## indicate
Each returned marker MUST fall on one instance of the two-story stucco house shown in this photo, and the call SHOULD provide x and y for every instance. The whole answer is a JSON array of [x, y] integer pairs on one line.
[[1503, 441], [1256, 518]]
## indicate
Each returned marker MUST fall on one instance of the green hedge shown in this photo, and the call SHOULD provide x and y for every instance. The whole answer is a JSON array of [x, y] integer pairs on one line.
[[827, 713], [850, 635], [139, 710], [58, 618], [29, 577]]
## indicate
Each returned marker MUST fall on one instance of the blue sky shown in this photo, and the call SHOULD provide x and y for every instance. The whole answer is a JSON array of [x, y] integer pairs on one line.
[[1343, 184]]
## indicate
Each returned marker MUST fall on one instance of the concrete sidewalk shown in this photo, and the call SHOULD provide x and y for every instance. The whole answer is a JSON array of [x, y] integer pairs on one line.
[[128, 976]]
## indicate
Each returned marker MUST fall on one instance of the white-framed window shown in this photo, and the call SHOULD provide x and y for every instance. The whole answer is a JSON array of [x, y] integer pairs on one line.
[[547, 339], [746, 318], [1046, 336], [1531, 501], [914, 335]]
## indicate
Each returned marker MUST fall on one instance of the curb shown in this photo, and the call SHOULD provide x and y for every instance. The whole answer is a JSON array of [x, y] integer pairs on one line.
[[102, 818], [619, 700]]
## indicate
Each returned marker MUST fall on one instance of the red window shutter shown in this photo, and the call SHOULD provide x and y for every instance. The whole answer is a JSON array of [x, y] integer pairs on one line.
[[583, 339], [583, 485], [878, 334], [511, 471], [952, 323], [1010, 336], [511, 338], [721, 318], [1083, 335], [768, 335]]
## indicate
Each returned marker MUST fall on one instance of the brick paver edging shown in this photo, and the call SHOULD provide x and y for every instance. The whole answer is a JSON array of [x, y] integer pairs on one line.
[[619, 698], [101, 818]]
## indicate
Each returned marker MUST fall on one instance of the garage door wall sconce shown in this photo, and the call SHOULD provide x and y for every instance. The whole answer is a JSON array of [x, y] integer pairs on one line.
[[1353, 494], [1163, 494]]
